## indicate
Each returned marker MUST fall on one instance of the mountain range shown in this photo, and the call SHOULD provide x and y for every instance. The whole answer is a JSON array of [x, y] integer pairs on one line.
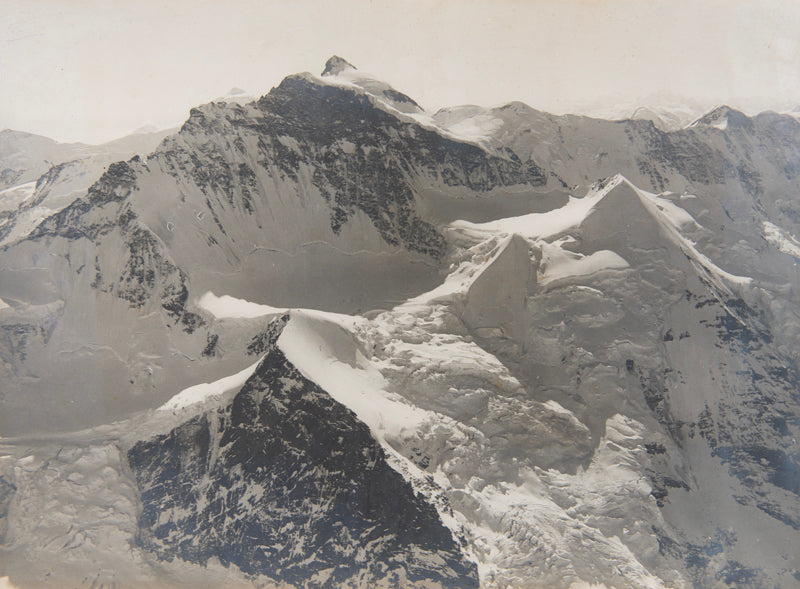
[[328, 339]]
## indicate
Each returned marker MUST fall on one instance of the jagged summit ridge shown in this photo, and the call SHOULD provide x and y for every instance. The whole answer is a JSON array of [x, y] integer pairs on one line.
[[336, 65]]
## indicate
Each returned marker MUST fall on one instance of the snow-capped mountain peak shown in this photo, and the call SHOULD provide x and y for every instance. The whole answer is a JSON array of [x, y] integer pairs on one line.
[[722, 118], [342, 73], [336, 65]]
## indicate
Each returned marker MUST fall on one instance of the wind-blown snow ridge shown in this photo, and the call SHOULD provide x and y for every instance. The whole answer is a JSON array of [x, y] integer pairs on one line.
[[485, 242], [543, 225], [475, 260], [326, 348], [12, 197], [309, 350], [323, 346], [473, 122], [202, 392], [236, 95], [228, 307]]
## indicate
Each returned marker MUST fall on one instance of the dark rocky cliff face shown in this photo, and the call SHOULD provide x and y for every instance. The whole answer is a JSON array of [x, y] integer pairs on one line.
[[359, 157], [287, 483]]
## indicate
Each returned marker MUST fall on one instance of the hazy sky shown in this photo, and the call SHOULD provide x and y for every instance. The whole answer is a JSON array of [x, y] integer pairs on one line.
[[93, 70]]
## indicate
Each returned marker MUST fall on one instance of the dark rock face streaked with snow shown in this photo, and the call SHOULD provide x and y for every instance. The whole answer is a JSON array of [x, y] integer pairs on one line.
[[287, 483], [374, 177]]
